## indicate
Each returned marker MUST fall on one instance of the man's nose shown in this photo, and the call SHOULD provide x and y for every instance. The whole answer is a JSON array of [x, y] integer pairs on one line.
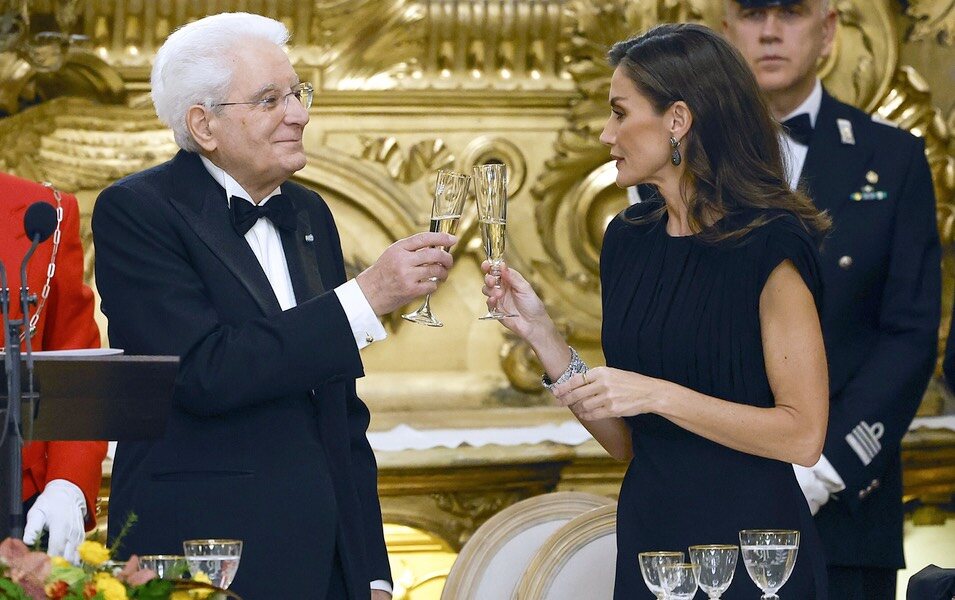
[[770, 30], [295, 113]]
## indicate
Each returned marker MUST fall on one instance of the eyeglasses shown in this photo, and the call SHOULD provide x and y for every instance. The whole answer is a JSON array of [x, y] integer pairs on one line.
[[303, 92]]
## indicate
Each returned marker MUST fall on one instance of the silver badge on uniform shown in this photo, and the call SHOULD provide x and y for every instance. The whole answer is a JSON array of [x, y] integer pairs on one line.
[[845, 132], [864, 439]]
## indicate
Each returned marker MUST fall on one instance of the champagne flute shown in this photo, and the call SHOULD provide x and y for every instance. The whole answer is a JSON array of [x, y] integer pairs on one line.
[[717, 565], [450, 191], [678, 580], [650, 563], [769, 556], [490, 187], [217, 559]]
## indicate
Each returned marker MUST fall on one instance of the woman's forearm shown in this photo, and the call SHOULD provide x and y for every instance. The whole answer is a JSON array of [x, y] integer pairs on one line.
[[781, 432]]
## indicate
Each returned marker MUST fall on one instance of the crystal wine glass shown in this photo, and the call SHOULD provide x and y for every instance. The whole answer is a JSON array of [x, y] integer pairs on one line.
[[218, 559], [650, 569], [717, 565], [450, 191], [165, 566], [678, 580], [490, 188], [769, 556]]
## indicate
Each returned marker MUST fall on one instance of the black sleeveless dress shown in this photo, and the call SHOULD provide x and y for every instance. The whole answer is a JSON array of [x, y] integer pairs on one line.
[[687, 311]]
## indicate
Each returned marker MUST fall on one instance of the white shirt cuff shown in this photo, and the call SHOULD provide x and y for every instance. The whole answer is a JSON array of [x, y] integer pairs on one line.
[[827, 474], [381, 584], [365, 325]]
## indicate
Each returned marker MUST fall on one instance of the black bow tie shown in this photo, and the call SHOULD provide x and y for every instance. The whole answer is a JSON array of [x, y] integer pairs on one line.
[[278, 210], [799, 128]]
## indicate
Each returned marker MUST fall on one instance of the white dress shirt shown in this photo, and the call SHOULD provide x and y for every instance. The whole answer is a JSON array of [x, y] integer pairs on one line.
[[266, 244], [794, 153]]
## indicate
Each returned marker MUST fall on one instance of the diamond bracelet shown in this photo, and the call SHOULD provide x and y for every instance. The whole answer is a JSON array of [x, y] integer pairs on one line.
[[576, 367]]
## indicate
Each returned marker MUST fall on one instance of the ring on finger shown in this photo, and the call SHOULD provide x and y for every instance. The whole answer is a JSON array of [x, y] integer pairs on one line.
[[584, 375]]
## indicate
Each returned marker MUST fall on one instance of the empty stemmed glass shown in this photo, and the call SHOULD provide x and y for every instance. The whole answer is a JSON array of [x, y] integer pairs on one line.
[[450, 191], [678, 581], [490, 189], [717, 564], [165, 566], [217, 559], [650, 563], [769, 556]]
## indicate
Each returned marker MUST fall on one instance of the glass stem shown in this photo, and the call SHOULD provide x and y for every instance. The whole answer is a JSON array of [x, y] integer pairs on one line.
[[496, 272]]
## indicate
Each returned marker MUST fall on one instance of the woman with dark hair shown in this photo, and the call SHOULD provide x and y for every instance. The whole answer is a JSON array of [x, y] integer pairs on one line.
[[716, 374]]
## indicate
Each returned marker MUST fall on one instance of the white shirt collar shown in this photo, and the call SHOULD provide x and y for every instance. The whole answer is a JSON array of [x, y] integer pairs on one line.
[[229, 184], [810, 105]]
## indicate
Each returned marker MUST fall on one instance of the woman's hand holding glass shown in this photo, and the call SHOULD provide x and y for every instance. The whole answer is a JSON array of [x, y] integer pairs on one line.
[[515, 296]]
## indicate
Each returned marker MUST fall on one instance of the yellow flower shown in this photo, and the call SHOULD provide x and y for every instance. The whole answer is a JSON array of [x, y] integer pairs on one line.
[[93, 553], [59, 561], [180, 595], [110, 587]]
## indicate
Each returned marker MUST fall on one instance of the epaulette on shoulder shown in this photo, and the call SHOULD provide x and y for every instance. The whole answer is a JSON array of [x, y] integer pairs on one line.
[[877, 118]]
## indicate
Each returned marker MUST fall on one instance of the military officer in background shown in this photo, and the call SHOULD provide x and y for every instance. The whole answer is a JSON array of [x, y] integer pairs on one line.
[[881, 276]]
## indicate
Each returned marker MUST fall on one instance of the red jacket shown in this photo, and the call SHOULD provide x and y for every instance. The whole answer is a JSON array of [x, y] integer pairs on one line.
[[66, 322]]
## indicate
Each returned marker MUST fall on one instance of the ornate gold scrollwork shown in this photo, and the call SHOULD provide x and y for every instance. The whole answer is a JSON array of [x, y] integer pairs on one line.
[[424, 157], [934, 20]]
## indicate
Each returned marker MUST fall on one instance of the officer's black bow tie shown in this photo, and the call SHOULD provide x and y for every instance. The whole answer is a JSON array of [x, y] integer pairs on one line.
[[799, 128], [278, 210]]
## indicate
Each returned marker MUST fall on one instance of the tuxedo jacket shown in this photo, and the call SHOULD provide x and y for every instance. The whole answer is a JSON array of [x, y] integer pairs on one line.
[[266, 441], [66, 322], [880, 316]]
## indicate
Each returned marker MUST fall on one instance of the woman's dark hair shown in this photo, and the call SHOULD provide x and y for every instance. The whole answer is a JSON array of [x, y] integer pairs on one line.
[[732, 150]]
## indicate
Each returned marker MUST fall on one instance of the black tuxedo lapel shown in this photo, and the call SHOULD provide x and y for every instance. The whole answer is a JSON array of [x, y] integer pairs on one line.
[[203, 205], [300, 253], [834, 170]]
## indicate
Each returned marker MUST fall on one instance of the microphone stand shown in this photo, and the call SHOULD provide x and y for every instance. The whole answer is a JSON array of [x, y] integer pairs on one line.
[[12, 429]]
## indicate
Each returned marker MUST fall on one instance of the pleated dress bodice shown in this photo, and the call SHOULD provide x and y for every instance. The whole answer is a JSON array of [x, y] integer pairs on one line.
[[687, 311]]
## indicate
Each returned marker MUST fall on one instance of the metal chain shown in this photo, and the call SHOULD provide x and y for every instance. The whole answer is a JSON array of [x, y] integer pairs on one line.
[[51, 268]]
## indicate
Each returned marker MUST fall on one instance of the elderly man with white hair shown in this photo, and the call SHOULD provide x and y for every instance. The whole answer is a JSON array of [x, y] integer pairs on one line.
[[216, 257]]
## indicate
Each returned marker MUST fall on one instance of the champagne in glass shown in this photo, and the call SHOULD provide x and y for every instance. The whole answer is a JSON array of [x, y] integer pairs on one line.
[[490, 183], [769, 556], [450, 191], [678, 581], [650, 563], [717, 565], [217, 559]]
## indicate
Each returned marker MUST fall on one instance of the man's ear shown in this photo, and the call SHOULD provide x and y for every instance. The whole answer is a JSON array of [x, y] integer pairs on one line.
[[681, 119], [829, 24], [198, 120]]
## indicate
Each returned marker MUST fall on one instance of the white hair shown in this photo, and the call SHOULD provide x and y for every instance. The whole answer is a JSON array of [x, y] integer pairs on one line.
[[193, 67]]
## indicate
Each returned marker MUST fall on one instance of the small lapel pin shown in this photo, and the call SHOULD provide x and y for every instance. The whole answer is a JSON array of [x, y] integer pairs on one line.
[[872, 177], [309, 238], [845, 131]]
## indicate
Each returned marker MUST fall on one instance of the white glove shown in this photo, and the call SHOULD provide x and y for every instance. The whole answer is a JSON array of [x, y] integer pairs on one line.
[[60, 508], [818, 483]]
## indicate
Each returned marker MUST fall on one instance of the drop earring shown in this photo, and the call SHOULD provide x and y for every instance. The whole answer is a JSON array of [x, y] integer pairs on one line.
[[675, 156]]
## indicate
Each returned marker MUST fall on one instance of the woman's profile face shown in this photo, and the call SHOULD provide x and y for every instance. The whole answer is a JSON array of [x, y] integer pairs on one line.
[[638, 137]]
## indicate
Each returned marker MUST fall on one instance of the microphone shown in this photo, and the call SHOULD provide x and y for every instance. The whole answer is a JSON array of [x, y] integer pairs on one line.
[[39, 219], [39, 223]]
